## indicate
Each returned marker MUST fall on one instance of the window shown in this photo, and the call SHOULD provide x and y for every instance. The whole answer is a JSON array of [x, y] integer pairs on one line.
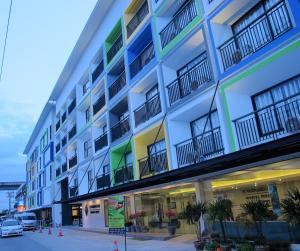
[[123, 116], [87, 115], [87, 148], [277, 106], [197, 125], [90, 178], [105, 169], [44, 141], [190, 65], [50, 130], [85, 88], [50, 170], [104, 129], [128, 159], [157, 147], [75, 182], [152, 92]]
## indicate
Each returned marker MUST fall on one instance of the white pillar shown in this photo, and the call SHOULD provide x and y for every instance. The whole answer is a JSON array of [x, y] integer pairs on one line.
[[200, 193]]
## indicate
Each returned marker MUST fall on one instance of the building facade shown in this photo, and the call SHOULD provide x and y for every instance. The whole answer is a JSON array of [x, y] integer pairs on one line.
[[170, 102]]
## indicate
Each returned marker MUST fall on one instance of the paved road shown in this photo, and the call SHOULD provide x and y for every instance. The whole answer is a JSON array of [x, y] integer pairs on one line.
[[74, 240]]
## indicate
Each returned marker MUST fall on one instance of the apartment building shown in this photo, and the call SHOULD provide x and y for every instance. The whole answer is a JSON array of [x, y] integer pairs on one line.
[[168, 102]]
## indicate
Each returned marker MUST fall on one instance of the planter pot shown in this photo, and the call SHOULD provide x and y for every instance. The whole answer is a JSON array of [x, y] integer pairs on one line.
[[172, 230], [295, 247], [261, 248], [199, 245]]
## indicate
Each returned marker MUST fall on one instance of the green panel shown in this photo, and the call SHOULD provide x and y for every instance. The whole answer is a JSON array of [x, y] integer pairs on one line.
[[116, 31], [244, 74]]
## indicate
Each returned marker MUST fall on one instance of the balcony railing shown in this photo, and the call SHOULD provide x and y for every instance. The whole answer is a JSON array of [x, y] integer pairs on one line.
[[137, 18], [64, 167], [190, 81], [121, 128], [57, 172], [101, 142], [142, 59], [103, 181], [117, 85], [200, 148], [72, 106], [185, 16], [270, 123], [64, 141], [73, 191], [99, 104], [148, 110], [153, 164], [57, 148], [73, 161], [72, 133], [123, 174], [57, 125], [63, 117], [97, 72], [117, 45], [260, 32]]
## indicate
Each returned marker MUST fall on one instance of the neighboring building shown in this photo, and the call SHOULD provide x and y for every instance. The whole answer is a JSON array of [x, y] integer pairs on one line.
[[20, 198], [133, 100]]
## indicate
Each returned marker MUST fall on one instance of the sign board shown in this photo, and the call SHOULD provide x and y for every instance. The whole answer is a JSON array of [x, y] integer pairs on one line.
[[116, 216]]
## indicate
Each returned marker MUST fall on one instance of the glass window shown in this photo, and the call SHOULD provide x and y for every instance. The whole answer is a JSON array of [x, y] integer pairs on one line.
[[90, 178], [87, 115], [87, 148], [157, 147], [198, 124], [128, 159], [123, 116], [85, 88], [152, 92]]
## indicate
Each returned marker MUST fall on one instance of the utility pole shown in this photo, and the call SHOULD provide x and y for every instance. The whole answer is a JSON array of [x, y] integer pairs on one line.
[[10, 195]]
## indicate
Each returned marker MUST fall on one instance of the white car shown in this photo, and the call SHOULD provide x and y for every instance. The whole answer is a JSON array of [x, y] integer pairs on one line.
[[10, 227]]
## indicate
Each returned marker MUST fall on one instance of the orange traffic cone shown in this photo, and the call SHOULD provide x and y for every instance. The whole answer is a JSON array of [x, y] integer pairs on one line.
[[116, 245], [41, 230], [60, 233], [49, 231]]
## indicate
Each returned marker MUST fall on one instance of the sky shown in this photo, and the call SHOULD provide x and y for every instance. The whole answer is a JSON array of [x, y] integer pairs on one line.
[[42, 34]]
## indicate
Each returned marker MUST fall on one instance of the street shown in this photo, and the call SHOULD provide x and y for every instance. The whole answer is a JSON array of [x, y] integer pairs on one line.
[[86, 241]]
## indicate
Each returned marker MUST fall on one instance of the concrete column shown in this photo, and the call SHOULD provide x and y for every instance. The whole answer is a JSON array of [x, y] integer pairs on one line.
[[132, 204], [200, 193]]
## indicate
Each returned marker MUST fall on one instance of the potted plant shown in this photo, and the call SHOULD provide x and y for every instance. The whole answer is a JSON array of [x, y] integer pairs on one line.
[[193, 214], [258, 211], [172, 222], [221, 210], [291, 212]]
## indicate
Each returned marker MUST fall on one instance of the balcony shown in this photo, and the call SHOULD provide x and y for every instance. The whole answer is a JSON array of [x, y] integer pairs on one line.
[[99, 104], [142, 59], [117, 85], [137, 19], [57, 172], [260, 32], [97, 72], [100, 142], [153, 164], [120, 129], [72, 133], [57, 125], [123, 174], [57, 148], [72, 106], [148, 110], [182, 18], [64, 141], [190, 81], [270, 123], [64, 167], [117, 45], [73, 161], [73, 191], [63, 117], [200, 148], [103, 181]]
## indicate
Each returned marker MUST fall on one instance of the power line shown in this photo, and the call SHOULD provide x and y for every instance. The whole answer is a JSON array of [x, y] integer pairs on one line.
[[4, 47]]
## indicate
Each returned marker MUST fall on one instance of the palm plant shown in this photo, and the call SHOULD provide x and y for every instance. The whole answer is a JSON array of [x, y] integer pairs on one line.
[[221, 210]]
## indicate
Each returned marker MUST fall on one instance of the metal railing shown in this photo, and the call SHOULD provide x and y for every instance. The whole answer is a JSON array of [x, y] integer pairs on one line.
[[72, 106], [73, 191], [72, 132], [64, 141], [63, 117], [73, 161], [184, 16], [137, 18], [153, 164], [123, 174], [101, 142], [64, 167], [190, 81], [103, 181], [142, 59], [117, 45], [270, 123], [120, 129], [57, 147], [117, 85], [147, 110], [99, 104], [200, 148], [97, 72], [57, 125], [260, 32]]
